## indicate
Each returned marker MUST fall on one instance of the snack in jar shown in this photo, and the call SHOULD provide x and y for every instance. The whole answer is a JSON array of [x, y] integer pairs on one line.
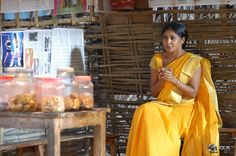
[[23, 97], [85, 89], [72, 102], [5, 91], [50, 93], [71, 99]]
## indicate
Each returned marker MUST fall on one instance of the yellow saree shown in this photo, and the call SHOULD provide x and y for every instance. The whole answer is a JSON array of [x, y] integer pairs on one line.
[[158, 126]]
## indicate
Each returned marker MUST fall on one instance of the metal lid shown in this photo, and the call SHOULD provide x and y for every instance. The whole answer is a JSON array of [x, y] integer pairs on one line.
[[65, 69]]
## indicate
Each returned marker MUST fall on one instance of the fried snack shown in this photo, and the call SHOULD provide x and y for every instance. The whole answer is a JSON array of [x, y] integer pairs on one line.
[[52, 104], [86, 100], [23, 103], [72, 102]]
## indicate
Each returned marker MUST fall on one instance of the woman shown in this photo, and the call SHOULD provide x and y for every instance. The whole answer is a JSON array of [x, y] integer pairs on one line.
[[16, 50], [8, 49], [186, 105]]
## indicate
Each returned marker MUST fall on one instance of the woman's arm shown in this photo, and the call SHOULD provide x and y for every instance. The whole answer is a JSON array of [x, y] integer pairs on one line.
[[156, 84], [189, 90]]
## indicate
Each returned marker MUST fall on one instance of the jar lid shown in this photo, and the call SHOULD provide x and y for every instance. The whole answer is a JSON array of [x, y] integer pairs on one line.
[[83, 78], [65, 69], [7, 77], [49, 79]]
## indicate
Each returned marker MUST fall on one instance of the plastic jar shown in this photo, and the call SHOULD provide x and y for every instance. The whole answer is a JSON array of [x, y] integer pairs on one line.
[[50, 93], [71, 99], [23, 96], [5, 91], [67, 74], [85, 89]]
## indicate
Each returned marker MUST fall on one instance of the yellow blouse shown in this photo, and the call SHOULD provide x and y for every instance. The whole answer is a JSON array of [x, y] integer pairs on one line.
[[183, 69]]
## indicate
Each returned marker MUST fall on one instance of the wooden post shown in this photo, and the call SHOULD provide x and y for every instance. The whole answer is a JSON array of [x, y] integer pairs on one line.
[[54, 147], [36, 19], [1, 129], [100, 137], [17, 19], [222, 14], [73, 22], [196, 15], [100, 5]]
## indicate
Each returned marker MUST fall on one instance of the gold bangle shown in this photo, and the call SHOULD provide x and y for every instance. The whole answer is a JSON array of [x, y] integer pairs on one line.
[[177, 82]]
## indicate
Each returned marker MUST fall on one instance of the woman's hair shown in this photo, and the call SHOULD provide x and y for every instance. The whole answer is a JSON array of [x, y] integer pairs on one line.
[[179, 29]]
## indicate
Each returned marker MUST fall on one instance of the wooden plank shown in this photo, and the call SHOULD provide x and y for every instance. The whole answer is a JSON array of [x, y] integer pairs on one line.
[[41, 141], [54, 122], [17, 19]]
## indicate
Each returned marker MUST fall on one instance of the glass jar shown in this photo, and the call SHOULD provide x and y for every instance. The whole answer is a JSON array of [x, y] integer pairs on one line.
[[85, 90], [5, 91], [23, 97], [50, 93], [23, 79], [67, 74], [71, 99]]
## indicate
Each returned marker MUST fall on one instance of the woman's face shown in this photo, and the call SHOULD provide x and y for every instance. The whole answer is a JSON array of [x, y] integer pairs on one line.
[[171, 41]]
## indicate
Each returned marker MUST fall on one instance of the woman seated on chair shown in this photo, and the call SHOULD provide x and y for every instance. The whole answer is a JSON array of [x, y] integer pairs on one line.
[[186, 105]]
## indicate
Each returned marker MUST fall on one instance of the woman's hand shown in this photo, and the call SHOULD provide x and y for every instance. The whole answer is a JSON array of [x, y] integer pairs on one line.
[[167, 74], [190, 89]]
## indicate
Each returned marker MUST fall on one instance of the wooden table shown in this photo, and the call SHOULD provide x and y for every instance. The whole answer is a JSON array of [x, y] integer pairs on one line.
[[55, 122]]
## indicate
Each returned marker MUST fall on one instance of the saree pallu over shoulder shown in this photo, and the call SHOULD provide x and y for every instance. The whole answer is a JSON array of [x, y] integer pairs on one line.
[[183, 69], [203, 131]]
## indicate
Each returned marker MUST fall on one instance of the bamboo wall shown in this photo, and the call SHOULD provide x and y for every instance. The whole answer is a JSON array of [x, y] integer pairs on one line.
[[120, 52], [119, 46], [46, 22]]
